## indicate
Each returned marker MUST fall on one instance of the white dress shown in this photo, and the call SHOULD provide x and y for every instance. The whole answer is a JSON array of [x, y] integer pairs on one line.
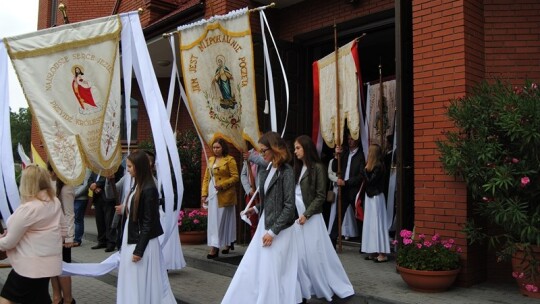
[[375, 229], [348, 226], [146, 281], [320, 271], [221, 229], [266, 275]]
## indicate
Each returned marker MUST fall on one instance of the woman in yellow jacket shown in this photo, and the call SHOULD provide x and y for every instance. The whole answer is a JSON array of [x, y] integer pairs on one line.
[[219, 194]]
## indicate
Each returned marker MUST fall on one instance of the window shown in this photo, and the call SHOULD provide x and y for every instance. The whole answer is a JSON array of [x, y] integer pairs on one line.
[[134, 108]]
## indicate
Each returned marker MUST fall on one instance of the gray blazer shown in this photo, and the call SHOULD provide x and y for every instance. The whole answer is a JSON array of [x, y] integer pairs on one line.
[[278, 200], [314, 194]]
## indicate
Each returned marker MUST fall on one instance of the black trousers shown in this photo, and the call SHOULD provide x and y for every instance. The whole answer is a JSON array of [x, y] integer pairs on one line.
[[104, 215]]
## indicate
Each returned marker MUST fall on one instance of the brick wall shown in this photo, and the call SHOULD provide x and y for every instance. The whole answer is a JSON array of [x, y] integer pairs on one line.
[[512, 39], [306, 17], [439, 56]]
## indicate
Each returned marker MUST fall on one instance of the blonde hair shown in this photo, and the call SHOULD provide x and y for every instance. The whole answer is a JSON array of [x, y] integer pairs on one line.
[[374, 157], [33, 180]]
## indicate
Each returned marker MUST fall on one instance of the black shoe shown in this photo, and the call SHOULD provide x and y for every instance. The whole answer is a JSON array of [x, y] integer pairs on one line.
[[99, 246], [226, 251], [109, 249], [232, 246], [212, 256]]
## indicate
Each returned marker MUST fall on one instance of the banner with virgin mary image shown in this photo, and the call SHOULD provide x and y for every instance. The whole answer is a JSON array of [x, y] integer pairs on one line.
[[219, 77], [70, 76]]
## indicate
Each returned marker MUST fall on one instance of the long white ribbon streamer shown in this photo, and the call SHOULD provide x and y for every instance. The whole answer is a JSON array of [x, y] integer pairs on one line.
[[243, 215], [172, 83], [273, 119], [8, 183]]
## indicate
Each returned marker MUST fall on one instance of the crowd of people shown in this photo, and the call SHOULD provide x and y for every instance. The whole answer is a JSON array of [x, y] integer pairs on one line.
[[292, 243]]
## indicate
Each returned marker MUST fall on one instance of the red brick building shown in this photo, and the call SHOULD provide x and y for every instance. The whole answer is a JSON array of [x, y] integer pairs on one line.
[[436, 50]]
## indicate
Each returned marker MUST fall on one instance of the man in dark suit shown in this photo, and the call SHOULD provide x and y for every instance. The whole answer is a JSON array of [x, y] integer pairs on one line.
[[105, 197], [352, 163]]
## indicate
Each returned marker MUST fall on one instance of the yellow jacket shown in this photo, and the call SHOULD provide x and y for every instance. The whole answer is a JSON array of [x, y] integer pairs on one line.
[[225, 174]]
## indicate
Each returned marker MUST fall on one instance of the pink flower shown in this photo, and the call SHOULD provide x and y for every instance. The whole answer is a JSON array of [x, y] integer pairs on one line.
[[525, 181], [407, 241], [534, 86], [394, 242], [459, 250], [436, 237], [451, 241], [447, 245], [515, 160], [531, 288], [418, 245], [422, 236], [405, 234], [196, 221], [427, 243]]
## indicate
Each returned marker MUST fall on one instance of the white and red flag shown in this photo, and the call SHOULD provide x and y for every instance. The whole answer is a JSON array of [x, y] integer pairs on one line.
[[324, 95]]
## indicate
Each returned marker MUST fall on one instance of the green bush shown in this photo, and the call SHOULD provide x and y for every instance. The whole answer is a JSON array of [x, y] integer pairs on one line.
[[495, 149]]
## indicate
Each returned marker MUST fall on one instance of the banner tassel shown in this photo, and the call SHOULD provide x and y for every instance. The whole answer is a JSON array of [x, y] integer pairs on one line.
[[266, 111]]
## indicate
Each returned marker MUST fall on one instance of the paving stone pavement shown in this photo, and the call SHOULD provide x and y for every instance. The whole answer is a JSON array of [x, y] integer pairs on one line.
[[205, 282]]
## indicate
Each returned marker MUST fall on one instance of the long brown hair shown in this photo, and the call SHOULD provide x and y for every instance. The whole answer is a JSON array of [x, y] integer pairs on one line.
[[143, 177], [310, 156], [374, 157], [278, 146]]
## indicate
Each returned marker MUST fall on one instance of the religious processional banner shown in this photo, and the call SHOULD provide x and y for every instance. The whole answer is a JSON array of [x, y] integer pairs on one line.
[[324, 86], [70, 76], [388, 111], [219, 77]]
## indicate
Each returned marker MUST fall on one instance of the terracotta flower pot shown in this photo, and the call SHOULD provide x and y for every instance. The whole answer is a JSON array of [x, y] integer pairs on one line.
[[428, 281], [192, 237], [520, 265]]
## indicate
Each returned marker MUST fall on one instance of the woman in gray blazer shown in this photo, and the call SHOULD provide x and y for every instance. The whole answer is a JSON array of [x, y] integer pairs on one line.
[[268, 271]]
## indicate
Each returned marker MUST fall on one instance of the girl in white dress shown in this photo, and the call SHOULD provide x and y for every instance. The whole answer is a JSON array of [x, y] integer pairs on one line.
[[142, 278], [320, 272], [375, 241], [268, 271]]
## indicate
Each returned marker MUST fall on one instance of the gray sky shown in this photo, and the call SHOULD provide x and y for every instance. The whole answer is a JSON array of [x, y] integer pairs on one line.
[[17, 17]]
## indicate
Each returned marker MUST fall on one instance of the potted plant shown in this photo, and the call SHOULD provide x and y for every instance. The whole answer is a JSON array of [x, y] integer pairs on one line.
[[192, 226], [495, 149], [427, 264]]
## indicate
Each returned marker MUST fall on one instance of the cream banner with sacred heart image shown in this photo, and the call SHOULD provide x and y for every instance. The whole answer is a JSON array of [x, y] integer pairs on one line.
[[70, 76], [219, 77]]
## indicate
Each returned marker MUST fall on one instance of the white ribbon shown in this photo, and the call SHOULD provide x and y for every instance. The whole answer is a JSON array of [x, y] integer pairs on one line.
[[273, 120]]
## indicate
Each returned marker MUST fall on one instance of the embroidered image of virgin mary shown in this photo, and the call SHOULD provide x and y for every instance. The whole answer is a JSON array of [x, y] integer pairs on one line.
[[81, 87], [223, 79]]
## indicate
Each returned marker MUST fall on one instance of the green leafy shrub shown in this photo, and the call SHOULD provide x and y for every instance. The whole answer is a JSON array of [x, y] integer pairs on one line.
[[495, 149]]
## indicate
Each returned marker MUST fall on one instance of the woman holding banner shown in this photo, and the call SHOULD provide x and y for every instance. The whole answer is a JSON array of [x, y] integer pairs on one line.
[[33, 240]]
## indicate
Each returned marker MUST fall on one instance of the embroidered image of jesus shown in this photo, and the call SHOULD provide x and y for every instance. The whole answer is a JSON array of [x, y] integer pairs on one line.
[[81, 87]]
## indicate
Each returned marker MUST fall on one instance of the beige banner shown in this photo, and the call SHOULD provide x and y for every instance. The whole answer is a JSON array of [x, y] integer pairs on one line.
[[219, 77], [348, 95], [70, 76], [389, 110]]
